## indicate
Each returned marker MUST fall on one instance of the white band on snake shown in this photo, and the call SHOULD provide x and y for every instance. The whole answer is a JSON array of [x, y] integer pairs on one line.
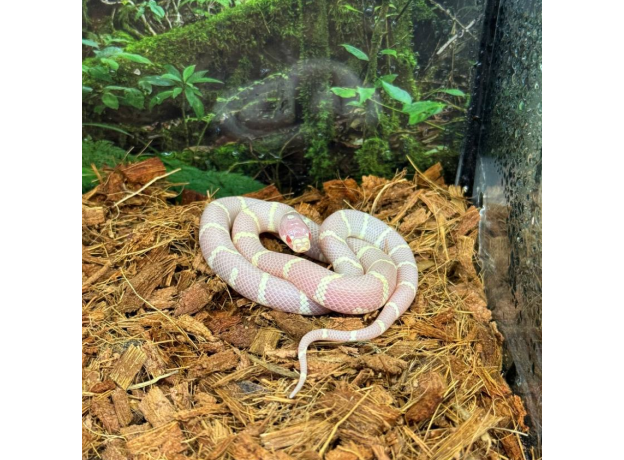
[[374, 266]]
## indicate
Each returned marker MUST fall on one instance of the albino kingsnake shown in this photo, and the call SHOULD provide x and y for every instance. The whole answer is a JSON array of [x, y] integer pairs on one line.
[[373, 265]]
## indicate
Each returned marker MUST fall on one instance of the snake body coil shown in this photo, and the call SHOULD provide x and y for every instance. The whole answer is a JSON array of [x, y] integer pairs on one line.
[[374, 266]]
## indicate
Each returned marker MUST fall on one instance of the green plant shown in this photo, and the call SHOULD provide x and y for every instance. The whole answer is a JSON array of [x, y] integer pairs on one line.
[[181, 83], [417, 112], [103, 70]]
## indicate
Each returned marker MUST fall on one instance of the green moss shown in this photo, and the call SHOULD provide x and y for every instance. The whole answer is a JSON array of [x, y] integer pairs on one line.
[[376, 158], [229, 44], [100, 154], [402, 35], [314, 95], [219, 183], [221, 40], [243, 72]]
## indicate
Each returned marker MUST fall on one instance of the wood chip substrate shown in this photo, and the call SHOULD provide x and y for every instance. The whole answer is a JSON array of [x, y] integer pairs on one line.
[[176, 365]]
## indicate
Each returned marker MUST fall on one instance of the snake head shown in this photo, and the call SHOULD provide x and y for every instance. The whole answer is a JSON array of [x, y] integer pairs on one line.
[[294, 232]]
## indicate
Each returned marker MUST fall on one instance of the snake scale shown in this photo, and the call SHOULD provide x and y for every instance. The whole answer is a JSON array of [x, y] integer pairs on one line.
[[373, 265]]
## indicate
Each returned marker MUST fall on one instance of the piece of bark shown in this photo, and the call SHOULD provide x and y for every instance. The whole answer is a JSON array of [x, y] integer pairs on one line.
[[433, 174], [414, 220], [162, 442], [241, 335], [143, 284], [192, 326], [413, 199], [350, 451], [296, 326], [121, 402], [190, 196], [374, 415], [93, 215], [128, 366], [468, 221], [383, 363], [154, 364], [309, 211], [156, 408], [163, 298], [268, 193], [113, 187], [220, 321], [143, 171], [104, 410], [134, 431], [185, 279], [512, 447], [207, 365], [199, 264], [244, 447], [266, 339], [181, 396], [200, 411], [102, 387], [430, 393], [192, 300], [465, 434], [115, 450]]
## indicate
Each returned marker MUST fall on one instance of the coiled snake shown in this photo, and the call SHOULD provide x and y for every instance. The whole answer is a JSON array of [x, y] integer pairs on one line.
[[373, 265]]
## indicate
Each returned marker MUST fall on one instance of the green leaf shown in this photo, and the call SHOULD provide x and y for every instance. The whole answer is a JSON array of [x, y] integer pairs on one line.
[[176, 92], [110, 100], [87, 89], [158, 11], [421, 110], [116, 88], [135, 58], [111, 63], [452, 92], [90, 43], [100, 73], [350, 8], [389, 52], [202, 79], [99, 109], [396, 93], [160, 97], [358, 53], [344, 92], [198, 74], [365, 94], [188, 72], [196, 104], [134, 98], [387, 78], [108, 52], [172, 77], [173, 71], [156, 80]]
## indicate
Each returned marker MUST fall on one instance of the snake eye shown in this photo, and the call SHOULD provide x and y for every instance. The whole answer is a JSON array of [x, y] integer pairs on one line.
[[288, 239]]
